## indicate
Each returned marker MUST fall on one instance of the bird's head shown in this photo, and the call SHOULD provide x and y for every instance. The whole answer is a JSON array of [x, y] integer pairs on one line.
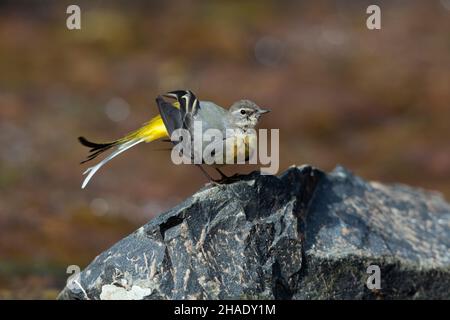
[[244, 114]]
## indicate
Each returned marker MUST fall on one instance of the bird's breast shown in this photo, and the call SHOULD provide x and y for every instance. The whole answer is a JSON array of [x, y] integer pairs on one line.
[[241, 147]]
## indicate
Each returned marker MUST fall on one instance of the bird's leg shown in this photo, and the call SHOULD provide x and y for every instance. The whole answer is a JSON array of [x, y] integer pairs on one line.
[[211, 180], [225, 178]]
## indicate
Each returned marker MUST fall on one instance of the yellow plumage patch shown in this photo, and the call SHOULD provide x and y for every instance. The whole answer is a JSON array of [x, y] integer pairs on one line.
[[151, 131]]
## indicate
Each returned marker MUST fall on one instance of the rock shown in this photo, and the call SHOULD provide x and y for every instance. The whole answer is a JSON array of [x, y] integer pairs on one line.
[[302, 235]]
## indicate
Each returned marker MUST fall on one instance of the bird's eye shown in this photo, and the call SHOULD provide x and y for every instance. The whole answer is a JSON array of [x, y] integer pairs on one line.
[[243, 111]]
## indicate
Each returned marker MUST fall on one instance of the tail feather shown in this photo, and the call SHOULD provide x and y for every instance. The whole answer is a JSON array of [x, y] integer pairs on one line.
[[151, 131], [94, 145], [96, 148], [121, 148]]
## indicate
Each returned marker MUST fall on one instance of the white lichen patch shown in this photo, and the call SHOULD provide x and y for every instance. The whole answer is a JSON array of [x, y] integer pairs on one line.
[[250, 183], [140, 232], [152, 269], [112, 292], [186, 279], [201, 241], [212, 287]]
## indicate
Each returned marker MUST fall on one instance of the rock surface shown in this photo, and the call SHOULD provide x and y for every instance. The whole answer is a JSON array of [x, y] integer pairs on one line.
[[302, 235]]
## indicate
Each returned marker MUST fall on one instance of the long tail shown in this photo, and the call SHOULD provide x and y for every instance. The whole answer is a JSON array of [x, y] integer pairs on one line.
[[151, 131]]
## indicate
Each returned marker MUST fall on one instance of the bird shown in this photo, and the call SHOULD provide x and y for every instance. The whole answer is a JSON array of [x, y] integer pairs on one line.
[[186, 108]]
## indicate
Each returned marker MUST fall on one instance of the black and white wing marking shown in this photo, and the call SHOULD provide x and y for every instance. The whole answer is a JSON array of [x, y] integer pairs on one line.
[[189, 105], [178, 118]]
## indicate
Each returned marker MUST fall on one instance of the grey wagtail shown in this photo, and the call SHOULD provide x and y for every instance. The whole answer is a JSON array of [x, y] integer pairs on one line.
[[182, 113]]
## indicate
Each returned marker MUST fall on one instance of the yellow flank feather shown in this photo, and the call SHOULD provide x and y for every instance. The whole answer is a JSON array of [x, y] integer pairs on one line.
[[151, 131]]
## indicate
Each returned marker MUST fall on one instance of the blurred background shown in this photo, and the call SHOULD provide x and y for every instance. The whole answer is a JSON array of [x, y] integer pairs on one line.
[[376, 102]]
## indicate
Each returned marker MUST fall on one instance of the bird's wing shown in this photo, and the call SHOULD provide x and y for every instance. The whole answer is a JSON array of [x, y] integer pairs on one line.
[[189, 106], [212, 116], [170, 115]]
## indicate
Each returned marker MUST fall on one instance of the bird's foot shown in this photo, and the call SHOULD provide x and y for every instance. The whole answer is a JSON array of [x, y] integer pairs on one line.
[[226, 180]]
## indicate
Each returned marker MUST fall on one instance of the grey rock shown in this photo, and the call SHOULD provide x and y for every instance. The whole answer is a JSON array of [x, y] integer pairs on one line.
[[302, 235]]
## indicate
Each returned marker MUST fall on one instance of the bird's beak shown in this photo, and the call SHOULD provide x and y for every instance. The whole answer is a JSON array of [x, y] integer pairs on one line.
[[262, 111]]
